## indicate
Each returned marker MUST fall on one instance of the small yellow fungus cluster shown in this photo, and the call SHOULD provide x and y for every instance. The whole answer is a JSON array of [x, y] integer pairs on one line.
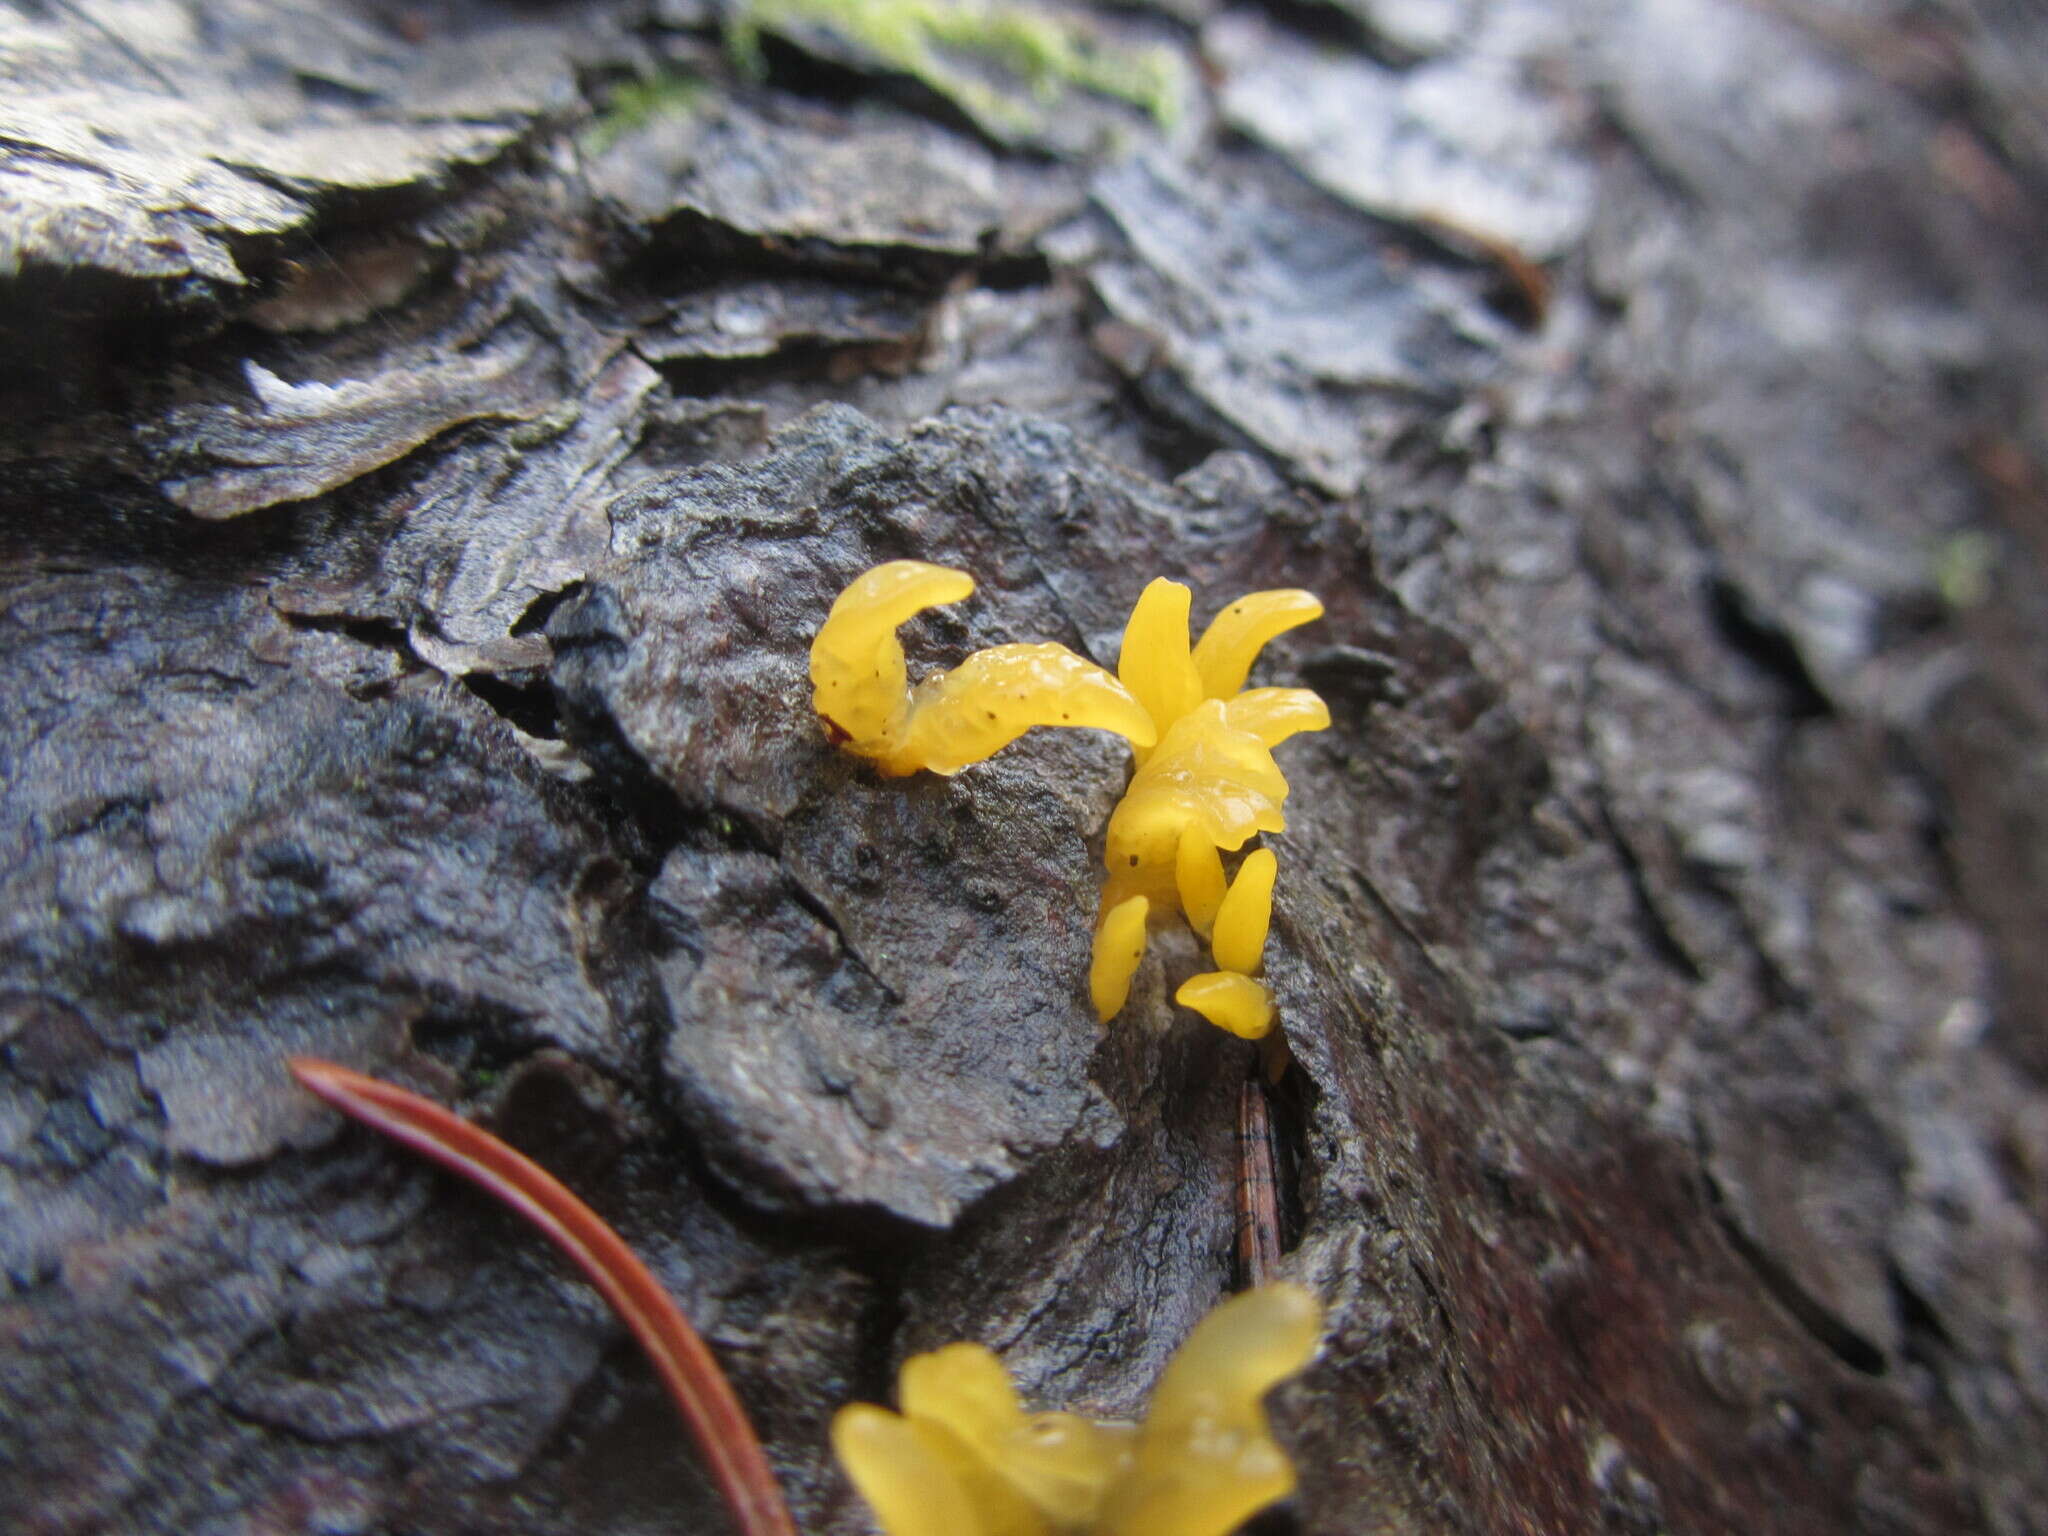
[[963, 1458], [1205, 782], [1205, 787], [860, 685]]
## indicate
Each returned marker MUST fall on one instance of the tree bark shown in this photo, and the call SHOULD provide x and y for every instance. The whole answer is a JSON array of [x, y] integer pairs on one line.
[[429, 439]]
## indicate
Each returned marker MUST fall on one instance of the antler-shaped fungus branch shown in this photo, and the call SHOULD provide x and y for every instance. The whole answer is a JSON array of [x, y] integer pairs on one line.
[[860, 685], [963, 1458]]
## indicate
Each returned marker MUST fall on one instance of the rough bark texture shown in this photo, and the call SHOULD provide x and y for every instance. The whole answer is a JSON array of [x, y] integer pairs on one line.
[[429, 436]]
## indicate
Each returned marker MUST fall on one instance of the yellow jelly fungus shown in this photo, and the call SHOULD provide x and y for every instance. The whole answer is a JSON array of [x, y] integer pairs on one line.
[[1274, 714], [1231, 1001], [1064, 1464], [1203, 774], [922, 1480], [1155, 663], [1225, 776], [1119, 946], [860, 683], [1198, 875], [1057, 1463], [1206, 1461], [1205, 782], [972, 712], [964, 1458], [1239, 943], [963, 1387], [1210, 783], [1224, 655]]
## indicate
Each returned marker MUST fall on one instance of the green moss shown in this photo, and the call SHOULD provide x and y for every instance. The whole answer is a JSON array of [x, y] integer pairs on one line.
[[930, 40], [636, 103]]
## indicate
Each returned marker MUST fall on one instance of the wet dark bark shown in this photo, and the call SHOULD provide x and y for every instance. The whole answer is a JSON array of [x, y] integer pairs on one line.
[[429, 436]]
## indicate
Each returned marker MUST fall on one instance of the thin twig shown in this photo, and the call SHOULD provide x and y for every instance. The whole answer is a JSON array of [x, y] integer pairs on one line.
[[1258, 1188], [705, 1398]]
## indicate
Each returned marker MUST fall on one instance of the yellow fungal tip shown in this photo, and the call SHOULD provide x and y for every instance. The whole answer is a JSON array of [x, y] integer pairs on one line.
[[1230, 1000], [1119, 946], [1224, 655], [964, 1387], [1155, 663], [1274, 714], [1206, 1459], [858, 680], [1239, 943], [909, 1473], [964, 1459]]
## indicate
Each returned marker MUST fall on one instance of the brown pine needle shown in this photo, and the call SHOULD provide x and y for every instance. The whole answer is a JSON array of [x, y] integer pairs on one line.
[[715, 1419], [1258, 1189]]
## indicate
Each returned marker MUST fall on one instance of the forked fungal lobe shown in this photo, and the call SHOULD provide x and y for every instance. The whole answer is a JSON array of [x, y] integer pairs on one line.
[[996, 695], [1155, 663], [1232, 642], [1207, 788], [860, 683], [964, 1457], [1205, 784], [1274, 714], [1198, 874]]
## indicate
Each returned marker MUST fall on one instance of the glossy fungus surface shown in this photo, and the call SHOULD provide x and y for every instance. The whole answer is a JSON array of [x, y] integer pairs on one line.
[[1204, 785], [963, 1457], [860, 682], [1239, 941], [1207, 788], [1230, 1001], [1119, 946]]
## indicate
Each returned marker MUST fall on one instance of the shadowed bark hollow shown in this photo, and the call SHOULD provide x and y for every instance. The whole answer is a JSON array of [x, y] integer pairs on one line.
[[430, 435]]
